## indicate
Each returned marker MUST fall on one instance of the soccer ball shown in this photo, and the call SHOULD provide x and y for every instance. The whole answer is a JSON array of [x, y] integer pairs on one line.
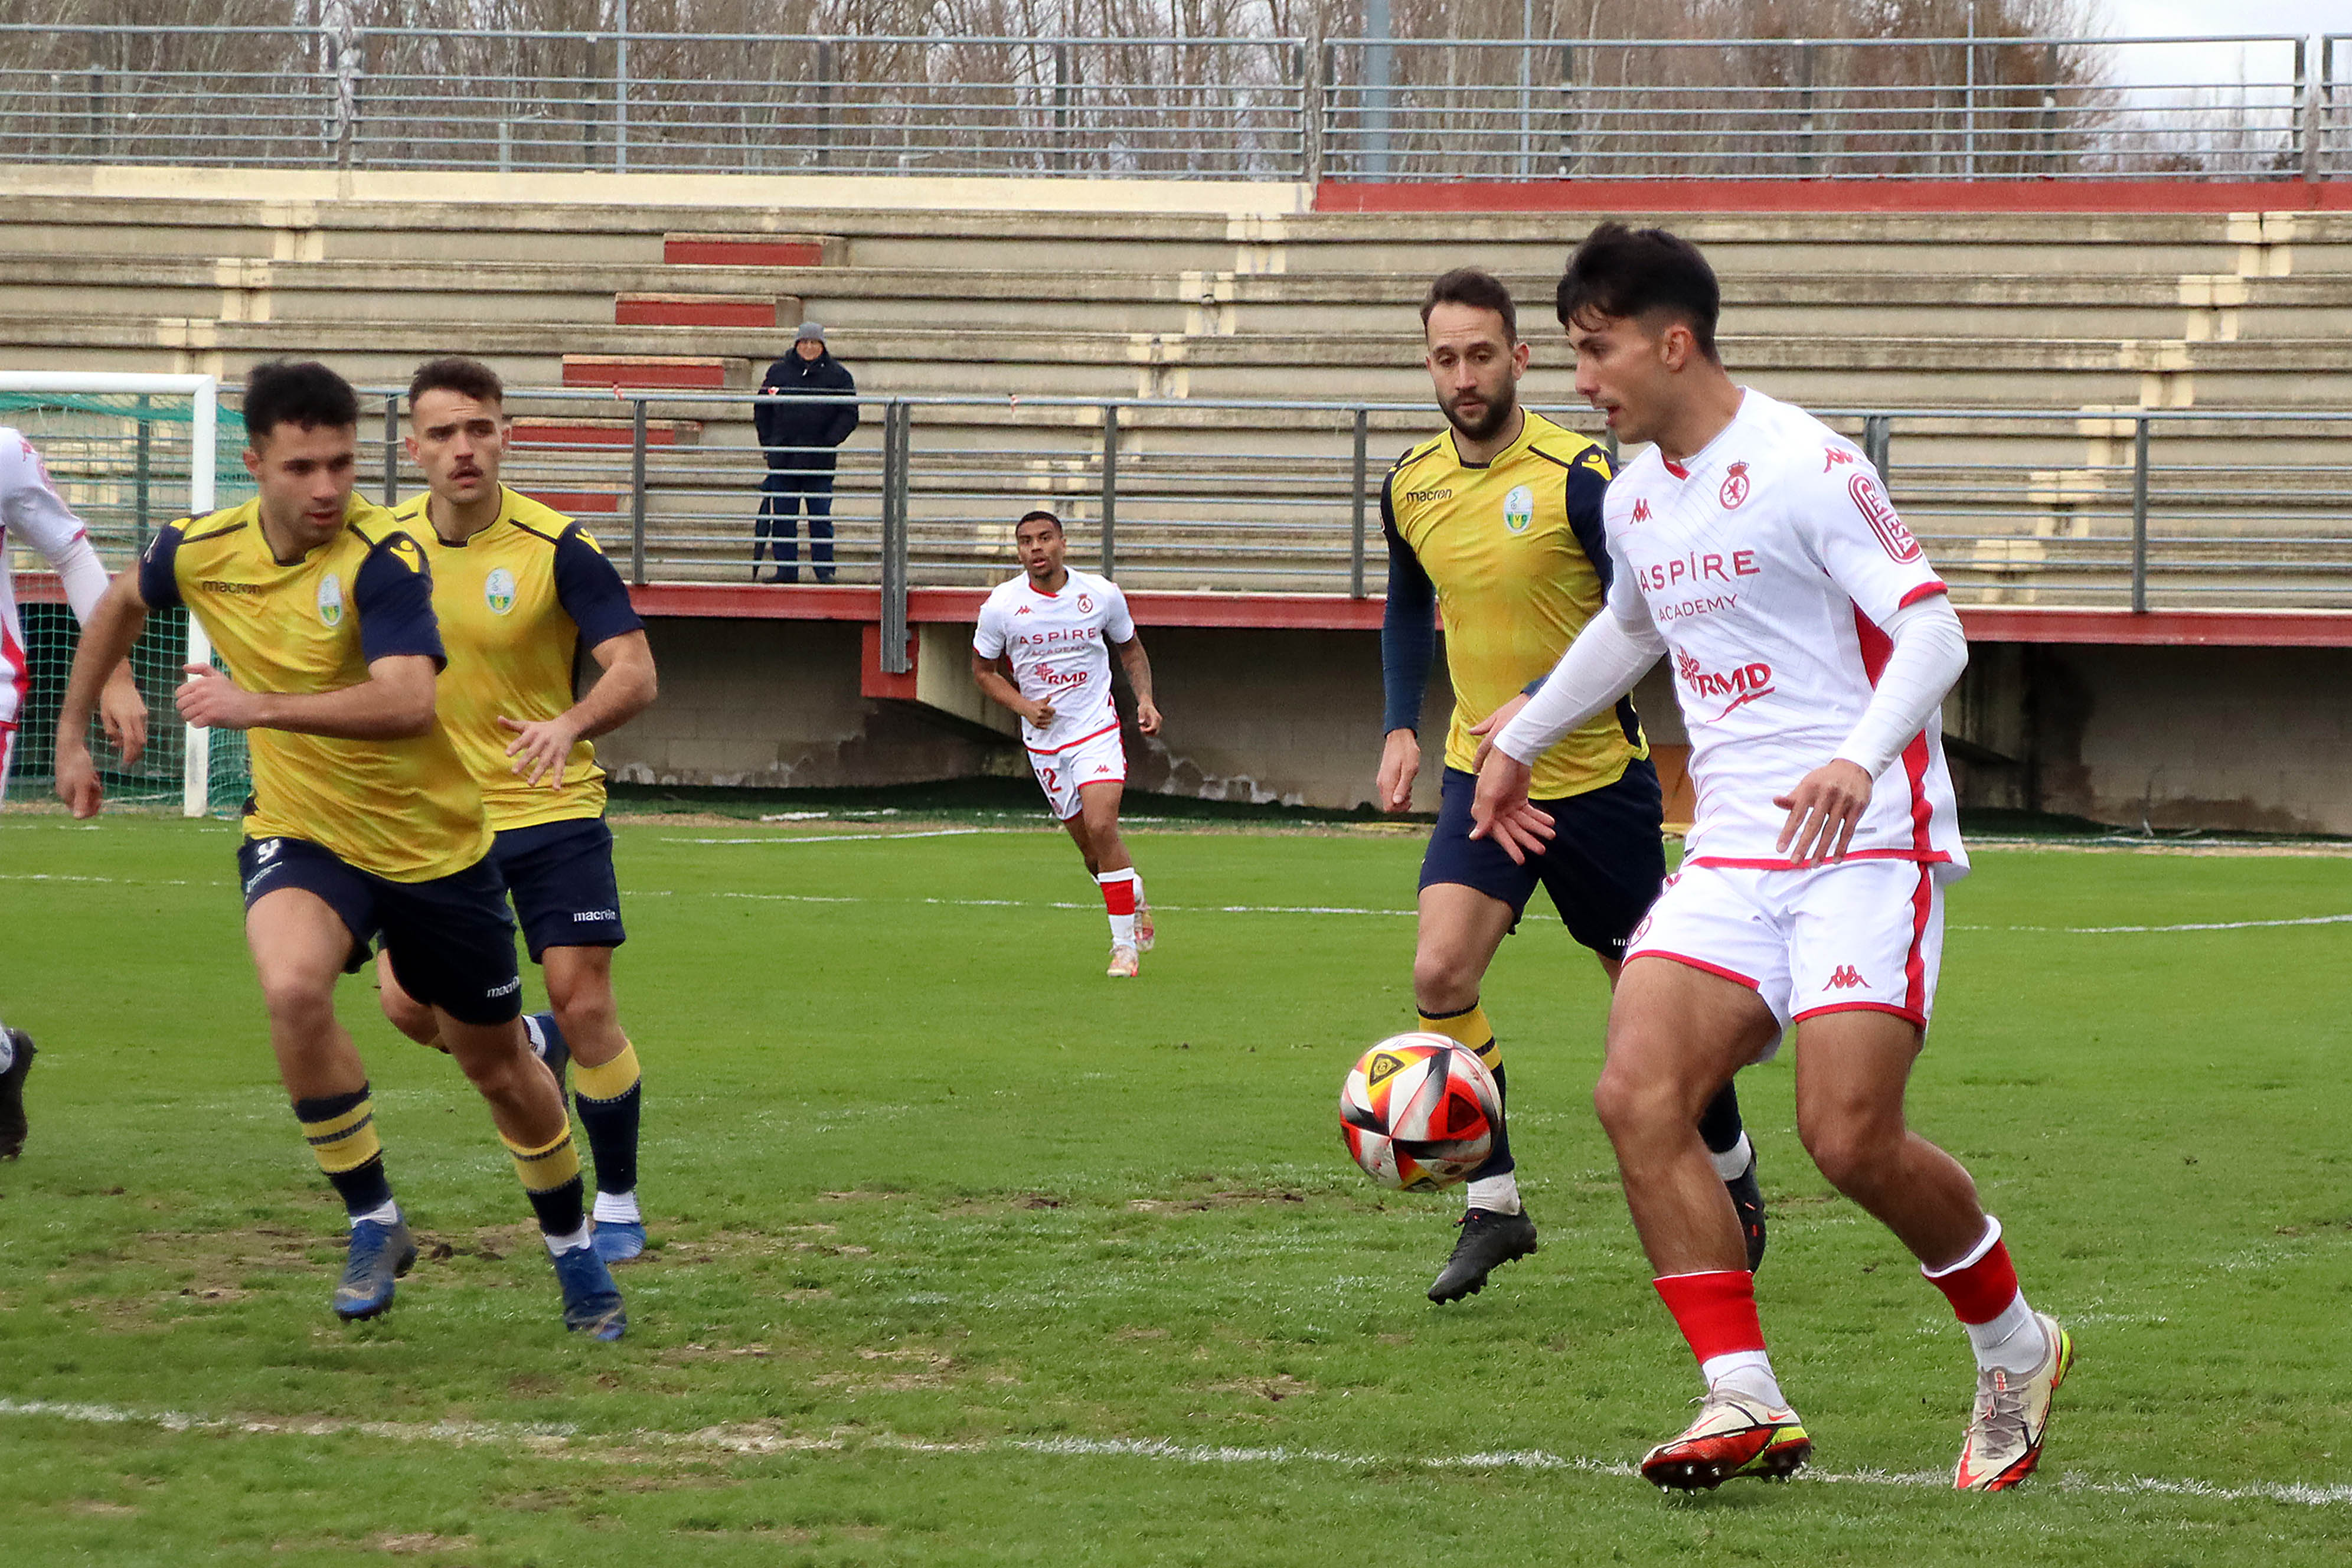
[[1418, 1111]]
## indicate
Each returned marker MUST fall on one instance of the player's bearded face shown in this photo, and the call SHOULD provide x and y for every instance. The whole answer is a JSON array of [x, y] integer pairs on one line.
[[1474, 369], [304, 476]]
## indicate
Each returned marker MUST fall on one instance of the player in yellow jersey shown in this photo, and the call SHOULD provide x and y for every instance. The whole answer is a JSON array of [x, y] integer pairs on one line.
[[364, 822], [1496, 525], [518, 590]]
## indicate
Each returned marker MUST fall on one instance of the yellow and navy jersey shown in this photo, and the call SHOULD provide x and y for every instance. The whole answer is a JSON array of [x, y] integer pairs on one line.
[[1513, 554], [516, 602], [406, 810]]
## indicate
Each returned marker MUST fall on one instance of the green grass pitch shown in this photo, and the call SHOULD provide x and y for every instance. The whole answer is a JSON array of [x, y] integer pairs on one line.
[[969, 1255]]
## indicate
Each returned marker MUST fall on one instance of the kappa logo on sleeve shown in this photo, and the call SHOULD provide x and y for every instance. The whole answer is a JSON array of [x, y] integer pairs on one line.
[[1879, 512]]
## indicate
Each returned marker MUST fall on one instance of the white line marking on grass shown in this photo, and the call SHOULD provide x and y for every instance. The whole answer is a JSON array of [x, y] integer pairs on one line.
[[761, 1439], [849, 838]]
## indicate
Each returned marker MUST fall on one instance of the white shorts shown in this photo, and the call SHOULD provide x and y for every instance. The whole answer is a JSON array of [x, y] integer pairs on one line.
[[1866, 935], [1098, 758]]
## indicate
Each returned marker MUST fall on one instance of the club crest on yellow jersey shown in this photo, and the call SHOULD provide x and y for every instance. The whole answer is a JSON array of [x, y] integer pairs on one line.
[[1518, 509], [498, 591], [330, 600]]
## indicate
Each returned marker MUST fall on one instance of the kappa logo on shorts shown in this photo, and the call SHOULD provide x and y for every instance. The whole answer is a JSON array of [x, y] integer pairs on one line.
[[1844, 978]]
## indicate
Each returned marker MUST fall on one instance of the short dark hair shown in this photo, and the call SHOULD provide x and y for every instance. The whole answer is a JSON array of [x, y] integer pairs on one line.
[[297, 392], [456, 373], [1637, 272], [1029, 517], [1478, 288]]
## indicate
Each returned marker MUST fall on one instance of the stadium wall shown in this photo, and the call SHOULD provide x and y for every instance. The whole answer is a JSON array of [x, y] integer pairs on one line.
[[2245, 738]]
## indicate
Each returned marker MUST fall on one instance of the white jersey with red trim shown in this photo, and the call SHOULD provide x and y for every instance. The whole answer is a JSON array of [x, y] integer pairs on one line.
[[1768, 563], [1059, 646], [32, 512]]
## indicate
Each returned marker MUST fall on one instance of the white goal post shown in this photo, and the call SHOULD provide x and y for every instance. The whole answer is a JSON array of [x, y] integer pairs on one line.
[[203, 393]]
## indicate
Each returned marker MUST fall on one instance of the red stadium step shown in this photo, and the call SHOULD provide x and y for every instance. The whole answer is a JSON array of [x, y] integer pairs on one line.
[[580, 504], [656, 371], [528, 433], [753, 249], [764, 311]]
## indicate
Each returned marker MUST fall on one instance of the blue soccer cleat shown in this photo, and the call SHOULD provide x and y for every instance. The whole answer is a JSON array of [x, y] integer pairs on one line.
[[618, 1240], [591, 1302], [380, 1255]]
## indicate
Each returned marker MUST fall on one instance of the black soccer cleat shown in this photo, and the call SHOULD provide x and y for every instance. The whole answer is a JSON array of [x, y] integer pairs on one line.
[[1487, 1241], [11, 1095], [1748, 1203]]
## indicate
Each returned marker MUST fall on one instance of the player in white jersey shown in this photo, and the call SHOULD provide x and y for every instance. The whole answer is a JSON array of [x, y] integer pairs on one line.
[[1042, 649], [32, 512], [1811, 644]]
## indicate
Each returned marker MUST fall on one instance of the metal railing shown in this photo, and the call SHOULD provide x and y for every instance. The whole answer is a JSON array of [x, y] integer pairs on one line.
[[1271, 108], [2121, 508]]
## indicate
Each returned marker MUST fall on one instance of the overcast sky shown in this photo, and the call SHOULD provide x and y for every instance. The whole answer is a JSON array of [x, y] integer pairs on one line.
[[2225, 63]]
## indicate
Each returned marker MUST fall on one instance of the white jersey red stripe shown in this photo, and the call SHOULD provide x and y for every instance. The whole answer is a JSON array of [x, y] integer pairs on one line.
[[1768, 563], [1059, 646], [32, 512]]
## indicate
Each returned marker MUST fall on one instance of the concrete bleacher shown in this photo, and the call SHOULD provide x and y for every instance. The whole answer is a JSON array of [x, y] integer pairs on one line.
[[2098, 313]]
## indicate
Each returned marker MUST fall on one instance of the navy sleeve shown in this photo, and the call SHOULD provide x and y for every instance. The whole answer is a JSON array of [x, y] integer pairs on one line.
[[393, 597], [1587, 481], [1408, 630], [159, 578], [766, 417], [591, 590]]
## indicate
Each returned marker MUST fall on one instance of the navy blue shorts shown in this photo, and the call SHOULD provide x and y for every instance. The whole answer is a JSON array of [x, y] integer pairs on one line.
[[1603, 868], [451, 939], [561, 874]]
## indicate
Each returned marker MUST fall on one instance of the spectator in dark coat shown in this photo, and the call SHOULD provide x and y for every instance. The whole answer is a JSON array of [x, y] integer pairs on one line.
[[798, 439]]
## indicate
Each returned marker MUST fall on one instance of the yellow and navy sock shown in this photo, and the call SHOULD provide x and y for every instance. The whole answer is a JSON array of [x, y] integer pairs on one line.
[[340, 1128], [550, 1179], [609, 1096], [1469, 1027]]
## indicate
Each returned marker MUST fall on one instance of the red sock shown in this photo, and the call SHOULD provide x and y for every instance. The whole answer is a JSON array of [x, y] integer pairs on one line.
[[1715, 1312], [1118, 892], [1980, 1290]]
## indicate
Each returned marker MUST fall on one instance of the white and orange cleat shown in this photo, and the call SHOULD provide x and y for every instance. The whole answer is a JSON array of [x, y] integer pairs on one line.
[[2012, 1416], [1123, 963], [1734, 1435], [1143, 928]]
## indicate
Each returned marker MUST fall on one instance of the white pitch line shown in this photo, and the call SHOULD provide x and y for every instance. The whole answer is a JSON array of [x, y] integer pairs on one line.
[[850, 837], [761, 1439]]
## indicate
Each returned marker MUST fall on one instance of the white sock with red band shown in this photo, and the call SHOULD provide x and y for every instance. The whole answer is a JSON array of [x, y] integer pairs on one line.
[[1118, 900], [1983, 1288]]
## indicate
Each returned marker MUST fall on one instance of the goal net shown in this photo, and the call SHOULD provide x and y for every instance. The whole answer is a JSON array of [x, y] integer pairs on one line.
[[129, 454]]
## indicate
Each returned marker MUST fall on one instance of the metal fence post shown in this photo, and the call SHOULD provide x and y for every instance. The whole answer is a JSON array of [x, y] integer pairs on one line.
[[637, 498], [2306, 118], [391, 449], [1061, 107], [898, 421], [1110, 488], [1356, 495], [824, 102], [1877, 435], [1567, 110], [142, 498], [2140, 515], [1309, 58], [619, 87]]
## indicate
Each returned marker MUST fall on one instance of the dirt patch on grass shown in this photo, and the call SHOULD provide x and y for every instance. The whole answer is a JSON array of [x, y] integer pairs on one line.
[[1237, 1198], [406, 1545], [1273, 1390]]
